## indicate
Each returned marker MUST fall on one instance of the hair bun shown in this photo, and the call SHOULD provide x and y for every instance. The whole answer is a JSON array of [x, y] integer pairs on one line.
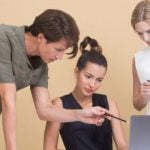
[[92, 43]]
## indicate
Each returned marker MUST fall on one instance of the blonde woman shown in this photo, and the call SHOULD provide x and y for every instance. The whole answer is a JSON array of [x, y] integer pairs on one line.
[[140, 22]]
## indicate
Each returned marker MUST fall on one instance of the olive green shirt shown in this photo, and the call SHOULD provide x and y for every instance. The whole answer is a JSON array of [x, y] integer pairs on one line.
[[15, 66]]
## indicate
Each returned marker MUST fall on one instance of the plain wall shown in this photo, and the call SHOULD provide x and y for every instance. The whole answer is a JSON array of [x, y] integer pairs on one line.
[[106, 21]]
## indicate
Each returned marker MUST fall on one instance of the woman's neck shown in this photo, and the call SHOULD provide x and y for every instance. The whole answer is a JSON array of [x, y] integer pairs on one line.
[[84, 101]]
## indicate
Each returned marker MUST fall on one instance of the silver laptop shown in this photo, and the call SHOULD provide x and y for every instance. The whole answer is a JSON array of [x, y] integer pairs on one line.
[[139, 137]]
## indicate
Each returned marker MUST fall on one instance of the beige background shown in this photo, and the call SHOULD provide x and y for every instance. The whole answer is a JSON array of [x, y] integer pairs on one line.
[[109, 23]]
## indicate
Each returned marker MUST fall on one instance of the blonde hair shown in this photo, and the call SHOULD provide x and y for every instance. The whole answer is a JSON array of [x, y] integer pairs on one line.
[[141, 12]]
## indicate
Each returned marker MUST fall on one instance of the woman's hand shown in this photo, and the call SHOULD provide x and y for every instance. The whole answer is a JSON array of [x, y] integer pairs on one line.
[[145, 89]]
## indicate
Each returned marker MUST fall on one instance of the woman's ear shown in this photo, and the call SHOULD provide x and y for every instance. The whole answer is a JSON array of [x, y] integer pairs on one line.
[[76, 71]]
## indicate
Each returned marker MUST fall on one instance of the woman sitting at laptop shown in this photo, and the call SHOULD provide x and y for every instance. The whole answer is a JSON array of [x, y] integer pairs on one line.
[[89, 72]]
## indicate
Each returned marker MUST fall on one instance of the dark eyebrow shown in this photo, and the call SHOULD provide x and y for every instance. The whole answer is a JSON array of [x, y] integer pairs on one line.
[[60, 49], [88, 73], [92, 75]]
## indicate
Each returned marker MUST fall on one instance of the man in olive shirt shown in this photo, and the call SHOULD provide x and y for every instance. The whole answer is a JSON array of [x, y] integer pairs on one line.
[[24, 54]]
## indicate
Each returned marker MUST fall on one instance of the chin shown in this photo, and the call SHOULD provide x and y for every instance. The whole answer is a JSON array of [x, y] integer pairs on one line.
[[48, 61], [87, 94]]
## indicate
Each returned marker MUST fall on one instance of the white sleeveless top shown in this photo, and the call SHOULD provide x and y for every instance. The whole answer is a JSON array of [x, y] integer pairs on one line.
[[142, 64]]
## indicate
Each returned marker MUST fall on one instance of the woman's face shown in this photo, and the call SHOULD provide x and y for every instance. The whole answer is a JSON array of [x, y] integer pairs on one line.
[[90, 78], [143, 30], [50, 52]]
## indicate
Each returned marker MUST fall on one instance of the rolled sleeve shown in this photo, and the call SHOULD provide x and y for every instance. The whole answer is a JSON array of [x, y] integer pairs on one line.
[[6, 71], [42, 78], [6, 74]]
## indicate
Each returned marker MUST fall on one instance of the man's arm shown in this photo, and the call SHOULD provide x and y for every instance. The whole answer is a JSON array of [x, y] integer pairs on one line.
[[47, 111], [8, 100]]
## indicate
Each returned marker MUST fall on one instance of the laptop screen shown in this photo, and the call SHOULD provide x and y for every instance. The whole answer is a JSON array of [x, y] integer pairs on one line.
[[139, 137]]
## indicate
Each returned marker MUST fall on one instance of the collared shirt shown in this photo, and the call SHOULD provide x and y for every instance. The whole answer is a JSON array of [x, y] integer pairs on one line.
[[15, 66]]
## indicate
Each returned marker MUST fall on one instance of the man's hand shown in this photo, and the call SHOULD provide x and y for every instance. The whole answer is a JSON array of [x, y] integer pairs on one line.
[[92, 115]]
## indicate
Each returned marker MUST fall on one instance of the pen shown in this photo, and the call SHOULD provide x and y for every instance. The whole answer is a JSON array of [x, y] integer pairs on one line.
[[115, 117]]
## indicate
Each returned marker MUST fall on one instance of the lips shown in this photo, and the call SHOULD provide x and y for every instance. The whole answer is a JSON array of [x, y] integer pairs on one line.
[[89, 90], [148, 43]]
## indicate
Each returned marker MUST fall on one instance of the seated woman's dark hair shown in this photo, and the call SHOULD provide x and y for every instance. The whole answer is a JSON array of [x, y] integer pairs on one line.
[[93, 54]]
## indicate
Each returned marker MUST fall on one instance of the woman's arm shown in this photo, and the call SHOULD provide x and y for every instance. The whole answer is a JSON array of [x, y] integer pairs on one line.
[[8, 100], [139, 90], [117, 128], [51, 133], [47, 111]]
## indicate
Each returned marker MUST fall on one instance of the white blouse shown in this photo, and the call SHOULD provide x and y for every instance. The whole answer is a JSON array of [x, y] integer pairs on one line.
[[142, 64]]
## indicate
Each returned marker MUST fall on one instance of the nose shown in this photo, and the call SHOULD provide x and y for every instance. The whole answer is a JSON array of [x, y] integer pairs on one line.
[[146, 37], [60, 55], [92, 83]]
